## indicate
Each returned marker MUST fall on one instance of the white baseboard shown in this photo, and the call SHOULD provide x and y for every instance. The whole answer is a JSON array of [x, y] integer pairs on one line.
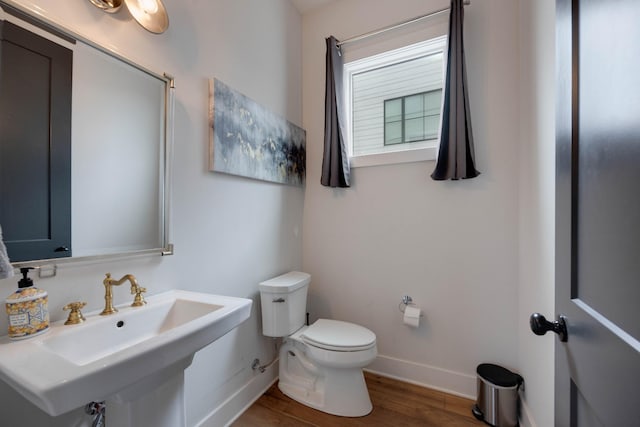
[[526, 419], [451, 382], [455, 383], [229, 410]]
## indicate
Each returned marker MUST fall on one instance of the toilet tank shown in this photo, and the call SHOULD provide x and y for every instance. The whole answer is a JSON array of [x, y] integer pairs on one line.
[[284, 303]]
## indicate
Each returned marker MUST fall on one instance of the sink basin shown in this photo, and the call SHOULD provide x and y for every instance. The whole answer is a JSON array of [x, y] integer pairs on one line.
[[120, 354], [109, 335]]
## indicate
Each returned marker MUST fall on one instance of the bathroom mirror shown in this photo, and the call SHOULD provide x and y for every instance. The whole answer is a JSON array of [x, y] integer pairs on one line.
[[121, 134]]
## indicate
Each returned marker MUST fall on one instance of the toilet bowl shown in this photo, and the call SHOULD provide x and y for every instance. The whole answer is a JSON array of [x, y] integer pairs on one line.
[[321, 364]]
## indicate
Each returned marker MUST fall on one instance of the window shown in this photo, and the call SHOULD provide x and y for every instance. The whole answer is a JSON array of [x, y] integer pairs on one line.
[[412, 118], [394, 104]]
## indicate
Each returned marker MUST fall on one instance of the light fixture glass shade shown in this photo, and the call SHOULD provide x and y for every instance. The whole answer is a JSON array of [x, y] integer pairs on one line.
[[110, 6], [151, 14]]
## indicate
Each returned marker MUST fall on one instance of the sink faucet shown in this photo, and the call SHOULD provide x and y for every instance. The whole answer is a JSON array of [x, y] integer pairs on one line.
[[136, 289]]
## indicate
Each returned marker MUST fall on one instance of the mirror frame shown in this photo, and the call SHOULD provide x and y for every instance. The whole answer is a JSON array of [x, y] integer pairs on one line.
[[35, 17]]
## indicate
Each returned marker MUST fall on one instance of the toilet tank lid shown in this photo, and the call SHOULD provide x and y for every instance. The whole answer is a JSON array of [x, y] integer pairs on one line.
[[285, 283]]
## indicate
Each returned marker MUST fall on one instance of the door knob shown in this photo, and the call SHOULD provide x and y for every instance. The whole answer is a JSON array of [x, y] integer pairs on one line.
[[540, 325]]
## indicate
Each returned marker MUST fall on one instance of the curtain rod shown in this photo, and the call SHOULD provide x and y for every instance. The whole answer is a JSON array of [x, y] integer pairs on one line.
[[398, 25]]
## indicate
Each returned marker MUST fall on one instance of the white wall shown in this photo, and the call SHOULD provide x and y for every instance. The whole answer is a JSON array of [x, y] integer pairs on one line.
[[477, 291], [537, 204], [229, 232], [477, 282], [452, 246]]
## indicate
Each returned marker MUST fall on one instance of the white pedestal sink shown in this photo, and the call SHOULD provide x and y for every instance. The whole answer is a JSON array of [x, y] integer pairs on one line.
[[133, 359]]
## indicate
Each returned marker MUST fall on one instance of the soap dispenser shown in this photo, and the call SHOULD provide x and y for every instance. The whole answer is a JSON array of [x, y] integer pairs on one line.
[[27, 309]]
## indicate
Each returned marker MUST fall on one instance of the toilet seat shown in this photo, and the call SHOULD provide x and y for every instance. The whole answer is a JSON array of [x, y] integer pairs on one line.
[[336, 335]]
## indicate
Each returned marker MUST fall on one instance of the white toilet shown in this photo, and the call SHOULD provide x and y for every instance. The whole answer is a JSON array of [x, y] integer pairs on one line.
[[321, 364]]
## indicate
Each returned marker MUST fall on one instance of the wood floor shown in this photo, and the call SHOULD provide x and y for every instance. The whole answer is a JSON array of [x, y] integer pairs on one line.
[[395, 404]]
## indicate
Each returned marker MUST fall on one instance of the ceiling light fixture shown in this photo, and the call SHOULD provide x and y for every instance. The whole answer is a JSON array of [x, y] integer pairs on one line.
[[150, 14]]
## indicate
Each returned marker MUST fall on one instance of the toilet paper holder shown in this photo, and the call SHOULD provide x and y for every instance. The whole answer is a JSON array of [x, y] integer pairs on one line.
[[407, 300]]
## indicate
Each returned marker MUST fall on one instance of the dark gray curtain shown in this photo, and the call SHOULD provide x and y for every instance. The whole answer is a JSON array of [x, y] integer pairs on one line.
[[456, 156], [335, 161]]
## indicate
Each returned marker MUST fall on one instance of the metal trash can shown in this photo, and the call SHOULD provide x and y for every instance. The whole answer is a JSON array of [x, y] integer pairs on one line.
[[498, 400]]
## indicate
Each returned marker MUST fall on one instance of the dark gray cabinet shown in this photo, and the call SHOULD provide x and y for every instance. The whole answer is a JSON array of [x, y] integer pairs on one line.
[[35, 145]]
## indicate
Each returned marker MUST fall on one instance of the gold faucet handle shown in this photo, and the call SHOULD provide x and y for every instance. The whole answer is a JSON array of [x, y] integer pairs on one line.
[[138, 300], [75, 315]]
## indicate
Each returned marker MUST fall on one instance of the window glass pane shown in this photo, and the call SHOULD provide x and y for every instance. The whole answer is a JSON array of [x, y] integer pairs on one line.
[[393, 133], [414, 129], [431, 126], [432, 101], [414, 106], [393, 110]]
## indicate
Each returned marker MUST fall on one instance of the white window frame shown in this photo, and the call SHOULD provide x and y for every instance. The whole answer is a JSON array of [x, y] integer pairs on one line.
[[407, 53]]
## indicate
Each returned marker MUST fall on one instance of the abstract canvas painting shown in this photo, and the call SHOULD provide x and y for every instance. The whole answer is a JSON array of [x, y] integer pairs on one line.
[[249, 140]]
